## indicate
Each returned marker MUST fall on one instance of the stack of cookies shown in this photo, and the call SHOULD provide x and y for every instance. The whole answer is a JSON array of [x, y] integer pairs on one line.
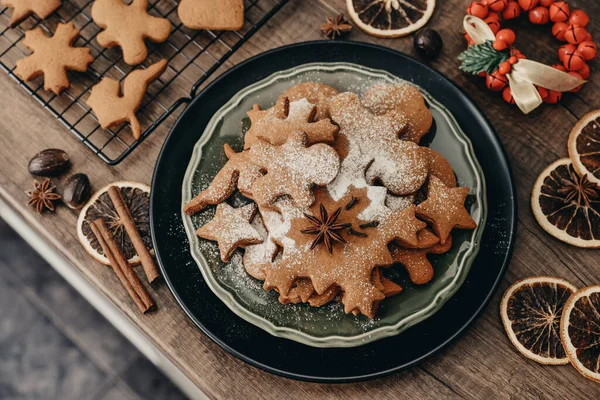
[[340, 191]]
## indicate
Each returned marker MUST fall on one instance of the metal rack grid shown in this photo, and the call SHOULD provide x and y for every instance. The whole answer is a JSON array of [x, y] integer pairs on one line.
[[193, 57]]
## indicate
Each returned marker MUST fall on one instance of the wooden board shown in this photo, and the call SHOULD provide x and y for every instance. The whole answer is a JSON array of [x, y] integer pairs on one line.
[[480, 364]]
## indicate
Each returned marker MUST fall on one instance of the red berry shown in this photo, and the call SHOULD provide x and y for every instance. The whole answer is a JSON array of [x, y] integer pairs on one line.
[[478, 10], [482, 74], [504, 68], [573, 61], [559, 67], [527, 5], [507, 36], [493, 23], [496, 81], [576, 75], [588, 50], [553, 97], [584, 72], [559, 11], [559, 29], [507, 96], [543, 92], [518, 54], [513, 60], [565, 49], [539, 16], [500, 45], [575, 34], [588, 37], [496, 5], [511, 11], [579, 17], [546, 3]]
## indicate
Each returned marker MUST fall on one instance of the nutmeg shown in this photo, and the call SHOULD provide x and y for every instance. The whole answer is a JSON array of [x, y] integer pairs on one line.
[[49, 162], [77, 191]]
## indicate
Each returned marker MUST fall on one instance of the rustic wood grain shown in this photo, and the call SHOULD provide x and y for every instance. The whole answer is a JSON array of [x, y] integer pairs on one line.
[[480, 364]]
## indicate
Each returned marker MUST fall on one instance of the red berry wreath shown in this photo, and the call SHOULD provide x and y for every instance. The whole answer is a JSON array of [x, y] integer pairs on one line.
[[492, 55]]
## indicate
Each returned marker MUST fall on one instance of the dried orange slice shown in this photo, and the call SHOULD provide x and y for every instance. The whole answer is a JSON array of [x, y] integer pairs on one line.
[[531, 310], [584, 146], [137, 199], [580, 331], [390, 18], [567, 205]]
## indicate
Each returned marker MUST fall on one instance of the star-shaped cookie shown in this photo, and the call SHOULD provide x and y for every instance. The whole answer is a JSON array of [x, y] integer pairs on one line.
[[53, 57], [24, 8], [231, 228], [445, 208]]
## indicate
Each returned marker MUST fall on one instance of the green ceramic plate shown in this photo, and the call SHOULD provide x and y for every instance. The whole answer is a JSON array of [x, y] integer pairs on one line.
[[328, 326]]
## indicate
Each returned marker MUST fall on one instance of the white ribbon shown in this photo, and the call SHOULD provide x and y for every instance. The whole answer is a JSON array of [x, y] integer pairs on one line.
[[525, 73]]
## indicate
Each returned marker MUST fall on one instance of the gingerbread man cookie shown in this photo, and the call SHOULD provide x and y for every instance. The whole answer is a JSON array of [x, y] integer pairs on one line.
[[277, 123], [419, 268], [222, 15], [113, 108], [373, 145], [292, 169], [404, 99], [53, 57], [127, 26], [24, 8], [231, 228]]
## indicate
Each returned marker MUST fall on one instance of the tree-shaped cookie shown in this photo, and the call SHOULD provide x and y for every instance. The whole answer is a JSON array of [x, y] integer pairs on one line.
[[373, 142], [292, 169], [277, 123], [222, 15], [24, 8], [113, 108], [53, 57], [127, 26]]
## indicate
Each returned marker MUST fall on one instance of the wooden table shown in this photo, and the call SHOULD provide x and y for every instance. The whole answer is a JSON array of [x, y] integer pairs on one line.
[[480, 364]]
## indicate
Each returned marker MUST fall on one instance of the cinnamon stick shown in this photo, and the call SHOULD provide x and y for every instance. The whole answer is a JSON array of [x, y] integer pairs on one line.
[[124, 272], [134, 235]]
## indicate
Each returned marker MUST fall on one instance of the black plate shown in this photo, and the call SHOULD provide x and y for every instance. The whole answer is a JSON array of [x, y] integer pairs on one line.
[[286, 357]]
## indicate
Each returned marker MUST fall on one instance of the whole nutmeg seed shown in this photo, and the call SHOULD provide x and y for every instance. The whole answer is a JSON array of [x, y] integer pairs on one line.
[[49, 162], [428, 43], [77, 191]]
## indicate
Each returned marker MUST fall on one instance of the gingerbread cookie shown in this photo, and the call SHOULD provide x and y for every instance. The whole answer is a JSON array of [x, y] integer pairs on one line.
[[53, 57], [415, 260], [292, 169], [256, 255], [373, 144], [221, 15], [231, 228], [127, 26], [113, 108], [316, 93], [351, 262], [277, 123], [24, 8], [440, 167], [385, 98], [238, 172], [445, 208]]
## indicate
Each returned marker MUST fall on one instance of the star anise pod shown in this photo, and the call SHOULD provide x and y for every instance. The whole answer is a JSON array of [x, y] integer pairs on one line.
[[580, 188], [325, 228], [336, 27], [42, 197]]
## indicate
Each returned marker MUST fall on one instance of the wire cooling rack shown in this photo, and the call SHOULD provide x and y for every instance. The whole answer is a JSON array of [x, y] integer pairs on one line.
[[193, 57]]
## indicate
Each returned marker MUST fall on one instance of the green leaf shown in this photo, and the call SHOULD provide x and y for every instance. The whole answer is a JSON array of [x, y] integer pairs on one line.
[[482, 58]]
